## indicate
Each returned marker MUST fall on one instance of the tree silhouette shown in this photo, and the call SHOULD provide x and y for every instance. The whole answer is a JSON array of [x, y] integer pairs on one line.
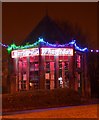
[[73, 31]]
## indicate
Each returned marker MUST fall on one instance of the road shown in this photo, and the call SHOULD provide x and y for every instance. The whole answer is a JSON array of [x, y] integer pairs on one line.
[[84, 111]]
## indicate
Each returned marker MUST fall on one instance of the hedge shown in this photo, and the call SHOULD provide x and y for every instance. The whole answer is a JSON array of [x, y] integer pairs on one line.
[[39, 99]]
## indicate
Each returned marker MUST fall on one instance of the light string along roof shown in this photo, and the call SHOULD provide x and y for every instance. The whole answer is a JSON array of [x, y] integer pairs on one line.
[[41, 40]]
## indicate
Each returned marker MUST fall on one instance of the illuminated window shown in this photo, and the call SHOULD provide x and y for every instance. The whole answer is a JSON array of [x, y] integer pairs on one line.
[[24, 76], [34, 75], [47, 58], [51, 58], [36, 66], [32, 67], [52, 64], [60, 57], [36, 58], [65, 58], [32, 59], [47, 76]]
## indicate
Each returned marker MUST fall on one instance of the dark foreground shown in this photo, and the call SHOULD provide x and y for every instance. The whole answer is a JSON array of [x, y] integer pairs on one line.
[[84, 111]]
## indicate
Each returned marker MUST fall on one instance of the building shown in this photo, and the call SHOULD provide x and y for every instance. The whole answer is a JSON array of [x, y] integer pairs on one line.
[[42, 63]]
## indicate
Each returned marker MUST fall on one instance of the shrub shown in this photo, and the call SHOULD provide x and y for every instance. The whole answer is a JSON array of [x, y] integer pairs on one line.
[[40, 99]]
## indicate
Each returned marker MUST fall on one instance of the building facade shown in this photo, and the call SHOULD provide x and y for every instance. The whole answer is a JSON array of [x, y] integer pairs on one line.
[[46, 64], [43, 65]]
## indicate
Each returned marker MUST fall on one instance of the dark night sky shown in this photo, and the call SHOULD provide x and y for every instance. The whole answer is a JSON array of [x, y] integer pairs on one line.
[[20, 18]]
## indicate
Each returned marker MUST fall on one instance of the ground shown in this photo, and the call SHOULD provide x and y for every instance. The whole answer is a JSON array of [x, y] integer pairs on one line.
[[84, 111]]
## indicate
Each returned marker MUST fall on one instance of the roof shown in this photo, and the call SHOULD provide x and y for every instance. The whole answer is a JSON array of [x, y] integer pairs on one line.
[[48, 30]]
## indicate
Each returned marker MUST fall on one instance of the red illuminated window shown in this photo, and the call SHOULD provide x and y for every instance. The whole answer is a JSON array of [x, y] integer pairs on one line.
[[47, 76], [36, 66], [32, 58], [36, 58], [52, 66], [47, 58], [52, 58], [65, 58], [61, 57], [32, 68]]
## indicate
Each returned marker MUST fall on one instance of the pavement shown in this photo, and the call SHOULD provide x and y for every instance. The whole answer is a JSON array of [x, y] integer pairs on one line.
[[82, 111]]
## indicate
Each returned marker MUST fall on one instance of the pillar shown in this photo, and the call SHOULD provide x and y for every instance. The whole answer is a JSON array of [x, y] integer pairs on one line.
[[56, 71], [41, 71], [27, 73], [16, 74], [63, 74], [52, 77]]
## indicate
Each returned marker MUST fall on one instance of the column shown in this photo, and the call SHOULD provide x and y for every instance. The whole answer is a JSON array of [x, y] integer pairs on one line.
[[16, 60], [56, 71], [41, 71], [27, 73], [13, 77], [52, 77], [63, 74]]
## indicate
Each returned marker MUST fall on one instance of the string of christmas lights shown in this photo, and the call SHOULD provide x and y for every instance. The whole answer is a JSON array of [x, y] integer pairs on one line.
[[3, 45], [72, 43]]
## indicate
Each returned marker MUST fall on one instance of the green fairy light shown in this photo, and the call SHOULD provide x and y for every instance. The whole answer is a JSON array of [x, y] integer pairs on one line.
[[14, 47], [9, 49]]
